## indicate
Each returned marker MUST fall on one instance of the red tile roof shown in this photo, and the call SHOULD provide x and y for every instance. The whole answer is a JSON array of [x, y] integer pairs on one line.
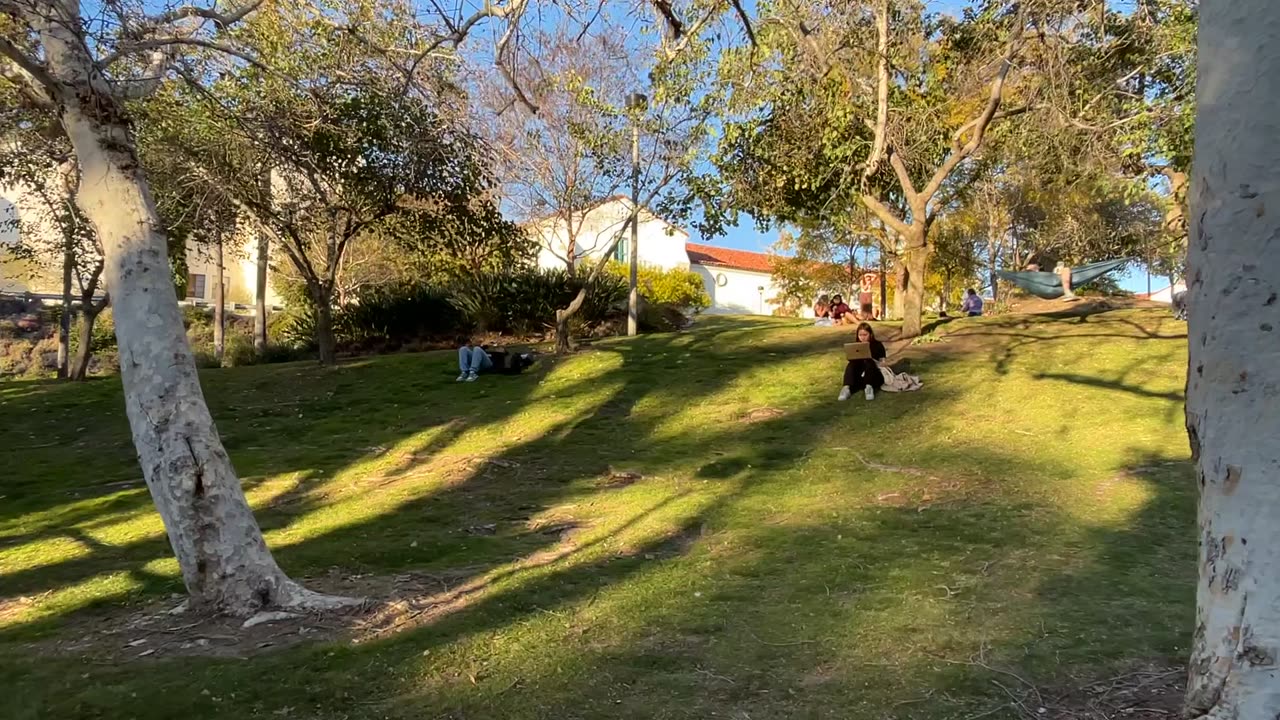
[[727, 258]]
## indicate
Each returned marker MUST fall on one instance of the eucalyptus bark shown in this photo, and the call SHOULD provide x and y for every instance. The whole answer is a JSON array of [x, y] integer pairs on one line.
[[221, 554], [1234, 365]]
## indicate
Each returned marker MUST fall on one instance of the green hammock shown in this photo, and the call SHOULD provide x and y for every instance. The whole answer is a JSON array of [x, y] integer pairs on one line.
[[1049, 286]]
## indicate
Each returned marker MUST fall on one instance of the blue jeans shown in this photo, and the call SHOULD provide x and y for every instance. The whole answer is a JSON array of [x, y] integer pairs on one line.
[[473, 359]]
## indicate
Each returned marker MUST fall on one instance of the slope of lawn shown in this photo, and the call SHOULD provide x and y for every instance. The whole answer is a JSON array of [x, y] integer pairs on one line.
[[676, 526]]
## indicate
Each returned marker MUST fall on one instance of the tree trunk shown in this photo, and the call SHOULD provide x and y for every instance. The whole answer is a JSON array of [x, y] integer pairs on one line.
[[260, 294], [326, 343], [995, 239], [915, 261], [884, 287], [219, 304], [1233, 375], [563, 342], [223, 559], [84, 352], [900, 286], [64, 322]]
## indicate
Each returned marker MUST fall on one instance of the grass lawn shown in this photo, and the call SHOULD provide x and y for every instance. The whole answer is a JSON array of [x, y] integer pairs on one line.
[[676, 526]]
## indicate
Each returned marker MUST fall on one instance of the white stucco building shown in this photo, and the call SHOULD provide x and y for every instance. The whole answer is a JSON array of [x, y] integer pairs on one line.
[[1164, 296], [737, 281], [21, 214], [590, 232]]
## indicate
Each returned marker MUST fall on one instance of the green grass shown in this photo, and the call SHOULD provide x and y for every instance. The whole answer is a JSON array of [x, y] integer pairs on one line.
[[1033, 504]]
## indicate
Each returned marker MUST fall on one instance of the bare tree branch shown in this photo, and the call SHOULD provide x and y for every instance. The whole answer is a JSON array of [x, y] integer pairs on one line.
[[164, 43], [885, 213], [904, 176], [978, 126], [882, 91], [746, 21], [28, 74], [221, 21]]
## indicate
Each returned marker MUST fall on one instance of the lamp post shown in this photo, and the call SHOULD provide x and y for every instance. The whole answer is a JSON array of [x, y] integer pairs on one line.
[[636, 104]]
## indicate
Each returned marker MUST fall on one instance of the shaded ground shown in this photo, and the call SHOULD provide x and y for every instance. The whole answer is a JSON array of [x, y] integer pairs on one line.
[[678, 526]]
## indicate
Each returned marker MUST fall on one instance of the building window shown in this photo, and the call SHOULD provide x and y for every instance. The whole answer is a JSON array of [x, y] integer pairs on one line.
[[721, 280], [195, 286], [620, 251]]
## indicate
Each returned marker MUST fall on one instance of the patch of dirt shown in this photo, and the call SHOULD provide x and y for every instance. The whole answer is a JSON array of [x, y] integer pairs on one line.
[[760, 415], [1154, 692], [614, 479], [164, 629]]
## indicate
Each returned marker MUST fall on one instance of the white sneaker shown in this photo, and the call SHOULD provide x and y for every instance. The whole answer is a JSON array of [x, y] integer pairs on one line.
[[870, 393], [461, 377], [844, 394], [472, 377]]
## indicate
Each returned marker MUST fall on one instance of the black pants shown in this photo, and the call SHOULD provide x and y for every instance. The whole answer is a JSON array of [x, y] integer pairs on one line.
[[861, 373]]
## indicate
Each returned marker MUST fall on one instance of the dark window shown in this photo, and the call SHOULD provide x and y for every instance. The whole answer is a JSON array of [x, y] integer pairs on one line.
[[195, 286]]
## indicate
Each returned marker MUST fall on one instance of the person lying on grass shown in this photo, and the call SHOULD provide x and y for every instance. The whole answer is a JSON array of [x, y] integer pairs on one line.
[[874, 373], [474, 359]]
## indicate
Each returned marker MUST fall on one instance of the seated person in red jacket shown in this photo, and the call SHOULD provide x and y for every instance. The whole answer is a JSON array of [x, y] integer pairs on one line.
[[841, 314]]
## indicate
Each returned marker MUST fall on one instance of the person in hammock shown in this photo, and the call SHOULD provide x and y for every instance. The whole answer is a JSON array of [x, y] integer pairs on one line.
[[1063, 271], [864, 374]]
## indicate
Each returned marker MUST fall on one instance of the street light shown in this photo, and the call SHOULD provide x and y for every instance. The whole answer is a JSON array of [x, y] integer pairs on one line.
[[636, 104]]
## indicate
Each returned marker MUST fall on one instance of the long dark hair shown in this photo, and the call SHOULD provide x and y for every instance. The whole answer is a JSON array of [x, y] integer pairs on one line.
[[867, 327]]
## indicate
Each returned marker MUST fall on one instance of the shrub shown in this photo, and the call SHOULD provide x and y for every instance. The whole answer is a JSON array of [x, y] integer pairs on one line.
[[661, 317], [238, 351], [29, 358], [676, 287], [205, 359], [281, 354], [104, 332], [399, 314], [526, 301]]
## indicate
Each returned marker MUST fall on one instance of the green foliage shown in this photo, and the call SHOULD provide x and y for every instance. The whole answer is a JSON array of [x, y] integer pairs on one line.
[[399, 313], [682, 289], [238, 351], [526, 302], [104, 332]]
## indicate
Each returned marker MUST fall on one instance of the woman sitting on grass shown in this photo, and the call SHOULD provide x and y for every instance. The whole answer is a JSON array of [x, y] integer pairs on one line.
[[871, 374], [822, 308], [864, 374]]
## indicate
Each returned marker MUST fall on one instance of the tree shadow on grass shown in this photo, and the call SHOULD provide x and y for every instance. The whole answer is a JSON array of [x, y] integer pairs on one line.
[[478, 492], [746, 600]]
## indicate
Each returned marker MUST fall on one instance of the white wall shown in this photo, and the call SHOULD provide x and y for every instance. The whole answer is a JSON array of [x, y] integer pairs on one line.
[[661, 244], [20, 276], [239, 267], [1166, 295], [737, 292]]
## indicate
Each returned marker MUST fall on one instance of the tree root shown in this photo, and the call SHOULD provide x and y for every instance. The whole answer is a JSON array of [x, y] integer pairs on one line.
[[294, 597]]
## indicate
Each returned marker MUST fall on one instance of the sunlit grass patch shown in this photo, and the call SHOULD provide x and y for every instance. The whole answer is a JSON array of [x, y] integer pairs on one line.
[[671, 526]]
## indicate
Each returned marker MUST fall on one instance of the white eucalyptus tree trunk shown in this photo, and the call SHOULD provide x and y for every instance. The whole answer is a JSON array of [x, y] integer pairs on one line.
[[1233, 385], [224, 561]]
